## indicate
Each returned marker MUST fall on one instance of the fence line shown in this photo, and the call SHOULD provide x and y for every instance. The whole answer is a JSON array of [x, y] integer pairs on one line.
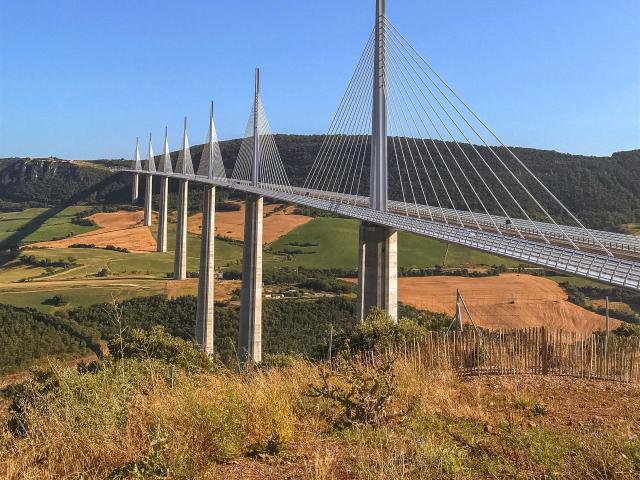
[[538, 351]]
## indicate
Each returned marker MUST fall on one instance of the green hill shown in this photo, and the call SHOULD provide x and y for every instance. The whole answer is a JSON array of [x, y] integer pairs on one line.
[[604, 192]]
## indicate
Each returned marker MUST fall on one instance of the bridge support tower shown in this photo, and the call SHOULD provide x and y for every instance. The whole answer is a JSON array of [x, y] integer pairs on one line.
[[378, 246], [135, 185], [204, 313], [148, 197], [250, 339], [377, 270], [180, 259], [162, 215]]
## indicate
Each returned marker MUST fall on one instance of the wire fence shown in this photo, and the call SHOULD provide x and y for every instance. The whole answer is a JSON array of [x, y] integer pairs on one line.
[[536, 351]]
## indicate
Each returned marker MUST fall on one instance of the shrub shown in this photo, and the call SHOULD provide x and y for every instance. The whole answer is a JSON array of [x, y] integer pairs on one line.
[[157, 344], [379, 332], [103, 272], [627, 330], [57, 300], [363, 392]]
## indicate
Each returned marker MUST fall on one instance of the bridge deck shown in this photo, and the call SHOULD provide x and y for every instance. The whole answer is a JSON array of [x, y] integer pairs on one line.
[[590, 261]]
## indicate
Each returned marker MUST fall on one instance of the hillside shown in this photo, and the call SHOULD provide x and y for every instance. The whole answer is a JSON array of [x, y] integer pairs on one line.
[[129, 418], [604, 192]]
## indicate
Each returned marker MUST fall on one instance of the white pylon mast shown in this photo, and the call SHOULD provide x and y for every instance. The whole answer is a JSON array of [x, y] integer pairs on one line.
[[378, 180], [256, 142]]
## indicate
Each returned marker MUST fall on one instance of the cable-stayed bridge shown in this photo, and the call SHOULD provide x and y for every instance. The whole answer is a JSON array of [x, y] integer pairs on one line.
[[403, 152]]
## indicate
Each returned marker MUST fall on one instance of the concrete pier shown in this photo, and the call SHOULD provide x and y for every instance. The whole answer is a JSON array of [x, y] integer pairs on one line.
[[204, 314], [162, 215], [250, 339], [377, 270], [180, 260], [148, 198], [135, 183]]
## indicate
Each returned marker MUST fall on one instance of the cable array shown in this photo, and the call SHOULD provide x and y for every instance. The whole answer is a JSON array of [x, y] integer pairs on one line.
[[442, 161], [150, 164], [184, 165], [211, 165], [136, 164], [164, 161], [271, 172], [342, 164]]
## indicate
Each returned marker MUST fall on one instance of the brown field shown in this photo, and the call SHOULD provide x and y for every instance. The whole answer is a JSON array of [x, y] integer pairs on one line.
[[121, 229], [231, 224], [505, 301]]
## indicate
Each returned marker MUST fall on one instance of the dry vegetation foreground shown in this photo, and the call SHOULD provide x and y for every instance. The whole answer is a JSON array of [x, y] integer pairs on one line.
[[505, 301], [126, 421]]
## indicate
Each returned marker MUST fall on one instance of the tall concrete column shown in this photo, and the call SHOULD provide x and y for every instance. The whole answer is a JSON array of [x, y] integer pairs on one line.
[[148, 197], [204, 314], [135, 182], [250, 339], [377, 270], [180, 260], [162, 214]]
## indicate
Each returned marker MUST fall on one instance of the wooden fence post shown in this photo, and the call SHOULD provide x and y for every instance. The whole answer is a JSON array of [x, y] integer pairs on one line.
[[545, 351]]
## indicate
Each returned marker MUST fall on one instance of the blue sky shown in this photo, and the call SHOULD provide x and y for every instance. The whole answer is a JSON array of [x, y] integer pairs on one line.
[[81, 79]]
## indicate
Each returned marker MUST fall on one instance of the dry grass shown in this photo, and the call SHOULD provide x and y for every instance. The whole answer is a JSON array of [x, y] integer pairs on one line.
[[277, 222], [261, 425], [504, 301], [121, 229]]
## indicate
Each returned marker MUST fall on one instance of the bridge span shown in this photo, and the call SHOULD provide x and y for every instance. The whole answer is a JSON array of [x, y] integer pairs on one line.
[[399, 123]]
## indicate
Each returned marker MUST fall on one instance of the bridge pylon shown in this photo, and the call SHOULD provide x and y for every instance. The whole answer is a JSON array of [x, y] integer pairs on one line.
[[378, 245], [135, 180], [250, 337], [182, 167], [148, 193]]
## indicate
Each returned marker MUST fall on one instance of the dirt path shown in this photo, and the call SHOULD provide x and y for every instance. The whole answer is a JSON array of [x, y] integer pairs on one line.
[[505, 301]]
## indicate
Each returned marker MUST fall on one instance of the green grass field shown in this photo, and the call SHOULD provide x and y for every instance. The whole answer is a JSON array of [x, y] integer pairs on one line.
[[336, 246], [40, 224], [35, 295]]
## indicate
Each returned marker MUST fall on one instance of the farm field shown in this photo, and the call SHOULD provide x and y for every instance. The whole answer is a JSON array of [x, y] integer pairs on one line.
[[123, 229], [277, 222], [506, 301], [326, 243], [89, 292], [40, 224], [334, 244]]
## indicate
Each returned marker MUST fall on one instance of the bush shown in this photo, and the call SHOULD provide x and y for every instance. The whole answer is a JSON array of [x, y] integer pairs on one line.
[[363, 392], [157, 344], [116, 249], [57, 300], [627, 330], [379, 332], [103, 272]]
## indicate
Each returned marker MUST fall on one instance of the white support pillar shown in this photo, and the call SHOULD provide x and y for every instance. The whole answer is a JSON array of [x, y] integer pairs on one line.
[[162, 215], [204, 314], [250, 338], [377, 270], [135, 182], [148, 198], [180, 260]]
